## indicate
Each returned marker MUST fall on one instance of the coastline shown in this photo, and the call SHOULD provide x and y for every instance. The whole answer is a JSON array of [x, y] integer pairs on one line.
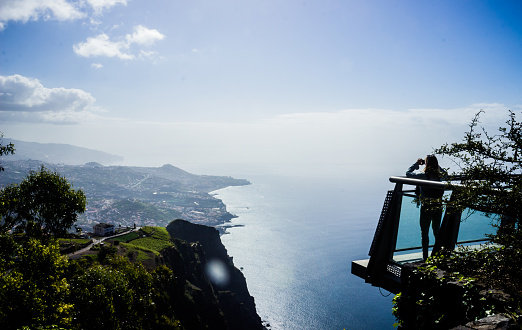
[[227, 217], [128, 196]]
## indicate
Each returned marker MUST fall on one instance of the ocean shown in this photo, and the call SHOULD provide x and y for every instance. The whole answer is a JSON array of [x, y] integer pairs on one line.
[[295, 238]]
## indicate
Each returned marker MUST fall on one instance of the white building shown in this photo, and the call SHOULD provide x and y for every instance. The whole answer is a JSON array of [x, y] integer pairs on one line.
[[103, 229]]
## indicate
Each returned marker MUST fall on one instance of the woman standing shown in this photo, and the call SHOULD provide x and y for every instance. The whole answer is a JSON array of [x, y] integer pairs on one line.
[[431, 206]]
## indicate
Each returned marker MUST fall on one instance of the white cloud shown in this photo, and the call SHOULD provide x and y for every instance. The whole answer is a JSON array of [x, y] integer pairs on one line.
[[147, 54], [96, 65], [116, 26], [100, 5], [144, 36], [26, 99], [61, 10], [95, 22], [101, 45], [25, 10]]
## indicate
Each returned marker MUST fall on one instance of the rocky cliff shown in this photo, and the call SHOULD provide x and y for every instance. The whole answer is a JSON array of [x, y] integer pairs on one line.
[[214, 291]]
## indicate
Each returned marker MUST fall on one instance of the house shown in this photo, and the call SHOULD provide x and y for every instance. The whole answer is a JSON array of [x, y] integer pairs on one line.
[[103, 229]]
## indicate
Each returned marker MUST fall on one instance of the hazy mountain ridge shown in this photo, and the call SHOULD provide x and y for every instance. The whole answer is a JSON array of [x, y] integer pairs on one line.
[[57, 153], [206, 183]]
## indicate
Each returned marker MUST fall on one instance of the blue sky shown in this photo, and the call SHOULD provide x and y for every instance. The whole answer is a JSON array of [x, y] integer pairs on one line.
[[275, 86]]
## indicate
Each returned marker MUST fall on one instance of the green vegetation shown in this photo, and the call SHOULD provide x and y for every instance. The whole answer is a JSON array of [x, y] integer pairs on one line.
[[455, 287], [157, 239], [151, 244], [74, 240], [39, 287], [44, 203], [160, 233], [127, 237], [42, 289], [148, 230], [489, 168], [138, 253], [5, 149], [70, 245], [33, 290], [144, 244], [45, 289]]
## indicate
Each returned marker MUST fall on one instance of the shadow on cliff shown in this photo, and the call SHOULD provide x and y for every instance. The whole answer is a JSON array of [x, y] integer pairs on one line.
[[214, 292]]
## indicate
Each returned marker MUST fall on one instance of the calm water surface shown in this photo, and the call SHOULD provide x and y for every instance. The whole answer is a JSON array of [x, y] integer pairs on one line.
[[295, 242]]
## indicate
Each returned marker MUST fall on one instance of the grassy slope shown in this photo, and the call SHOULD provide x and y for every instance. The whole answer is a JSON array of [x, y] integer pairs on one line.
[[157, 238]]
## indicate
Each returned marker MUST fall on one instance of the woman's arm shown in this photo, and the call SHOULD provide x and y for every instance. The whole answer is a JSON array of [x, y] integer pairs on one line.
[[410, 173]]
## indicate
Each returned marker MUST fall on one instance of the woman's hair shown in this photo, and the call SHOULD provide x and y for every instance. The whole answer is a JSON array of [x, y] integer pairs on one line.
[[432, 167]]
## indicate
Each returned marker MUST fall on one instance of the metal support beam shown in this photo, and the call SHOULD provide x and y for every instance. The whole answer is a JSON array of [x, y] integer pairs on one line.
[[386, 239]]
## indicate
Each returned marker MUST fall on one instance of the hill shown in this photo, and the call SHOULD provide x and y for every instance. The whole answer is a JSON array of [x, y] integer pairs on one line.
[[60, 153]]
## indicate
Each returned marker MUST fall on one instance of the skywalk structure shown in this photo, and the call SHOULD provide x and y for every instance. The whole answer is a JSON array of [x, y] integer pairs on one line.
[[397, 239]]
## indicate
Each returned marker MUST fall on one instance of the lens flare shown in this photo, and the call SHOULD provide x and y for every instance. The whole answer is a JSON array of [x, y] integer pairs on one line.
[[217, 272]]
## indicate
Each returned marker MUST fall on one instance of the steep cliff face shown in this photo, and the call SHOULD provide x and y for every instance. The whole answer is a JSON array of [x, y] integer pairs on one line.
[[214, 291]]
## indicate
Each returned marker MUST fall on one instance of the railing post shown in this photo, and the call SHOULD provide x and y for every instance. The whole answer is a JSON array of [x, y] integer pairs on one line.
[[386, 239]]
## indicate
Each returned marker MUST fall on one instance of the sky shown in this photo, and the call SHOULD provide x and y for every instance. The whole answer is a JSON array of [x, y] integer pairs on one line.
[[351, 88]]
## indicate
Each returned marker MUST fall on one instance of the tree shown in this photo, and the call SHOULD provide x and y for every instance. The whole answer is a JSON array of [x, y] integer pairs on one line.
[[5, 149], [118, 295], [490, 167], [44, 202], [42, 289], [33, 292]]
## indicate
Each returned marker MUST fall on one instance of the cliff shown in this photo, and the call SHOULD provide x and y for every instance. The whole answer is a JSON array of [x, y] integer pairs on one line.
[[214, 292]]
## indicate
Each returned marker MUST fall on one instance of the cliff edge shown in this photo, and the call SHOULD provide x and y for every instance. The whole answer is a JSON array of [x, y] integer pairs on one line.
[[214, 291]]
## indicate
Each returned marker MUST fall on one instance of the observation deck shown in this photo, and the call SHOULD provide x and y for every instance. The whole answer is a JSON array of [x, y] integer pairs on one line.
[[397, 239]]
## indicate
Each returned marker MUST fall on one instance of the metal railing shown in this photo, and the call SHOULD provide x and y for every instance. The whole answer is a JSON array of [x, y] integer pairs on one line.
[[396, 225]]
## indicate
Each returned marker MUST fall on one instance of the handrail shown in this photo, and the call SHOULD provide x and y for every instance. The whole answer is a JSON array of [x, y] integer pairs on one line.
[[421, 182], [381, 269]]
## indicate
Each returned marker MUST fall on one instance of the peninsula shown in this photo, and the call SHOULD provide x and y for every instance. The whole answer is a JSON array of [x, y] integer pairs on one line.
[[141, 196]]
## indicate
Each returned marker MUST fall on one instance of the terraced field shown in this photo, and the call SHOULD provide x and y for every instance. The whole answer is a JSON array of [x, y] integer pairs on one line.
[[157, 238]]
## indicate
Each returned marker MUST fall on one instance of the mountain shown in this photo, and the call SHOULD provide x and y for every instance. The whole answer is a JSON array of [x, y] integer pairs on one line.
[[56, 153], [126, 195]]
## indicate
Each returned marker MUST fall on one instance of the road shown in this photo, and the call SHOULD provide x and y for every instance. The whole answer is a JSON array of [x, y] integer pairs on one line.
[[97, 241]]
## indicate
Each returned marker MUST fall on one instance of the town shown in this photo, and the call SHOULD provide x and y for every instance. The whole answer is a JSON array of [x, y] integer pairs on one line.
[[137, 196]]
